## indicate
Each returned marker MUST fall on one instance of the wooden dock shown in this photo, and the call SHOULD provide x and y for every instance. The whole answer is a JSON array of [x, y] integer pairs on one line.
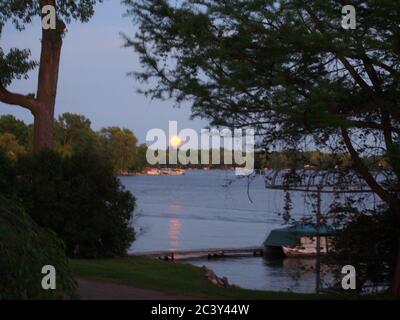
[[210, 253]]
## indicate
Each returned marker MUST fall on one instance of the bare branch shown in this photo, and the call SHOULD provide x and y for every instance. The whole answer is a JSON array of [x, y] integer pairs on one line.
[[25, 101], [366, 174]]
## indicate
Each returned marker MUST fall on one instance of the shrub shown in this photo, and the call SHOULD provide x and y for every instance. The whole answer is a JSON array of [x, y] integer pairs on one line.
[[24, 249], [7, 175], [80, 199], [369, 243]]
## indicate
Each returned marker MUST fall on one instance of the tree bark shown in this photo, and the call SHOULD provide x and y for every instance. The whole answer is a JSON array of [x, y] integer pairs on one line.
[[395, 288], [391, 199], [47, 84], [43, 129]]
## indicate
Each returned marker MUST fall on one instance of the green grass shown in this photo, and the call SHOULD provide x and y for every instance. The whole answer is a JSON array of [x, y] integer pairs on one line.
[[178, 278]]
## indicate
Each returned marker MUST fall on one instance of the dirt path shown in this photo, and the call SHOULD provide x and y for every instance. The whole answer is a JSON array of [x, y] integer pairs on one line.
[[96, 290]]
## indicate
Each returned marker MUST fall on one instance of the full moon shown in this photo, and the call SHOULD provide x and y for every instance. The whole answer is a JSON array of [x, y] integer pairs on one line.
[[175, 141]]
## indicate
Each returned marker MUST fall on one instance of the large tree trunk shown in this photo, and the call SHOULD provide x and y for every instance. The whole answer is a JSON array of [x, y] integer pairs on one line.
[[395, 288], [47, 85], [43, 130]]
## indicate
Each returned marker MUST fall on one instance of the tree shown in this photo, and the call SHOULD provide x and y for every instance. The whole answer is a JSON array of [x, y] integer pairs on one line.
[[9, 124], [141, 160], [369, 244], [17, 63], [73, 133], [286, 68], [80, 199], [120, 145], [24, 249], [7, 176], [9, 145]]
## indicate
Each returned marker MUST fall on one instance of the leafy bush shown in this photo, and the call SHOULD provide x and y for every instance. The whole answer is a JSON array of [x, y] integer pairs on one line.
[[24, 249], [7, 175], [80, 199], [369, 243]]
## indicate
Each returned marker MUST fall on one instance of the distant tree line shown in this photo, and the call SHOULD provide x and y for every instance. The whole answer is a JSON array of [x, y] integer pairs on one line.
[[312, 159], [73, 133], [275, 160]]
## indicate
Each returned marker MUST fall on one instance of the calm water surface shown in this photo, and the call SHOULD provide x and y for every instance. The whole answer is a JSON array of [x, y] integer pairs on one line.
[[209, 209]]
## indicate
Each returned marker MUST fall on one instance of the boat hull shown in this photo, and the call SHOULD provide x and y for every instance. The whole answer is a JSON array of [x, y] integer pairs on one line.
[[301, 252]]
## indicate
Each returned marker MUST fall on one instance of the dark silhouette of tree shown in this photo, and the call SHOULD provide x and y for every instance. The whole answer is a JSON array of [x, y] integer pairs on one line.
[[286, 68]]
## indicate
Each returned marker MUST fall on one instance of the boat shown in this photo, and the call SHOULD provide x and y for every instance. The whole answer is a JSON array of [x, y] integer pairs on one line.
[[152, 171], [298, 240], [307, 247], [300, 251], [173, 172]]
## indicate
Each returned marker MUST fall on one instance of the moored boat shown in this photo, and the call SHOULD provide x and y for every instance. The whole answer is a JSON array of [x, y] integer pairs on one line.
[[152, 171], [173, 172], [298, 240]]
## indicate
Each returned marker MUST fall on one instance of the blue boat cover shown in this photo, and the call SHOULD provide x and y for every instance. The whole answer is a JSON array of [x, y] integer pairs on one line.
[[290, 236]]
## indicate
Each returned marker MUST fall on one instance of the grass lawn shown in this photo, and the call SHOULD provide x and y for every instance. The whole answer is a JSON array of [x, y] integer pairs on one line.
[[179, 278]]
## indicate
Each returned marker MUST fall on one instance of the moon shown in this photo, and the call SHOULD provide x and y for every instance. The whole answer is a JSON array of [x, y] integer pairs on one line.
[[175, 141]]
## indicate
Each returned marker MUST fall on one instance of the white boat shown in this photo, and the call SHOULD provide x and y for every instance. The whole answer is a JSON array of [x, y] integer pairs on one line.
[[173, 172], [152, 171], [299, 240], [307, 247]]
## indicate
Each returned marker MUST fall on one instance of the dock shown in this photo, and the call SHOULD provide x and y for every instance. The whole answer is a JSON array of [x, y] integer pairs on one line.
[[209, 253]]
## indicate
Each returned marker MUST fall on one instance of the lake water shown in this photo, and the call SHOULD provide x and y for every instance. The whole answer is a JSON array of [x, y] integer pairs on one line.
[[213, 209]]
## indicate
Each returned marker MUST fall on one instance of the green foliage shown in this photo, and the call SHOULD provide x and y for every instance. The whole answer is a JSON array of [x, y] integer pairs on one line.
[[368, 242], [267, 65], [7, 175], [21, 12], [120, 145], [10, 145], [15, 65], [24, 249], [72, 191], [72, 134], [21, 131], [80, 199], [141, 160], [297, 159]]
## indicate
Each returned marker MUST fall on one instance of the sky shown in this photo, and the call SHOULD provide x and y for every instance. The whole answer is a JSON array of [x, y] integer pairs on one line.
[[93, 77]]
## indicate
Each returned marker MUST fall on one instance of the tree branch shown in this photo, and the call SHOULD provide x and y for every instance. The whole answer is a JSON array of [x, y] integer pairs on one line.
[[367, 176], [356, 77], [27, 102]]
